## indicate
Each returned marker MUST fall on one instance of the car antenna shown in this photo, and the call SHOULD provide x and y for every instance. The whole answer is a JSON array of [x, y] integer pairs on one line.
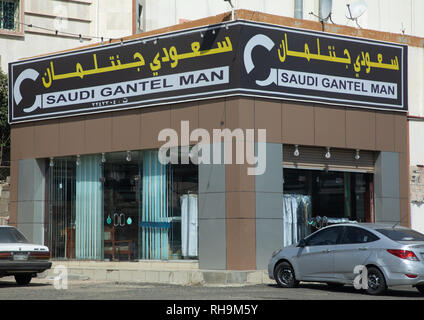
[[395, 224]]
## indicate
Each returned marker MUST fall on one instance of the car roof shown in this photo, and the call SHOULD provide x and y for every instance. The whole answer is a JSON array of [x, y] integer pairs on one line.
[[373, 226]]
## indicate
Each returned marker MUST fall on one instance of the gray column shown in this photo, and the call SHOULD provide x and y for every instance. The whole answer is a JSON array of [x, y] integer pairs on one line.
[[212, 231], [31, 199], [269, 205], [386, 188]]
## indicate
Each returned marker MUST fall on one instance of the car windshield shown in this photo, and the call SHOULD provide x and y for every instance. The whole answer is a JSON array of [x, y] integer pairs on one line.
[[402, 234], [11, 235]]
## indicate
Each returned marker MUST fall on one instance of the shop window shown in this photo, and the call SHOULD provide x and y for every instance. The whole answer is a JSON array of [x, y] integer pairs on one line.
[[9, 15], [129, 207], [333, 194]]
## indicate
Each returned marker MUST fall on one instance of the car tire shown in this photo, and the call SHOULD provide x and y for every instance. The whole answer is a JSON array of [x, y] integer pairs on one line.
[[23, 279], [284, 275], [420, 288], [376, 282]]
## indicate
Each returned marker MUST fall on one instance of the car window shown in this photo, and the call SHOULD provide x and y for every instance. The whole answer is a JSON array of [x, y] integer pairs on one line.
[[328, 236], [11, 235], [402, 234], [357, 235]]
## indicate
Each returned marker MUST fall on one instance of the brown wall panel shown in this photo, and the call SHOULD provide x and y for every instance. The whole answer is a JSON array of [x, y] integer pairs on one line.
[[330, 127], [240, 205], [153, 120], [126, 129], [405, 219], [237, 178], [298, 124], [22, 141], [46, 137], [403, 175], [71, 136], [98, 137], [240, 113], [384, 132], [360, 129], [14, 169], [185, 112], [212, 115], [268, 116], [241, 244], [13, 213], [401, 133]]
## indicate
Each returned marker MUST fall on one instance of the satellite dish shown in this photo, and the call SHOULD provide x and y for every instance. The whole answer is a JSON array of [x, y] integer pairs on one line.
[[325, 7], [356, 9]]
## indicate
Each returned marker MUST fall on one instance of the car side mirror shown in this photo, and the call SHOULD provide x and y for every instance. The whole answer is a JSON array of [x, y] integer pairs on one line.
[[302, 243]]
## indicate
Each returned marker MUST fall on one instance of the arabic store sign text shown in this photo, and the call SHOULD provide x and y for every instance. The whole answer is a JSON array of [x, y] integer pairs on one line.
[[179, 66], [310, 66], [245, 58]]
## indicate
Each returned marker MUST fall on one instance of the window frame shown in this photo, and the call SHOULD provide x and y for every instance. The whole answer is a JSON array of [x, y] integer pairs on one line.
[[322, 230], [19, 28], [345, 230]]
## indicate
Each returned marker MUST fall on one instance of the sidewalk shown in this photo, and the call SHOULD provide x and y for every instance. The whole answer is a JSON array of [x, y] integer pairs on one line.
[[166, 272]]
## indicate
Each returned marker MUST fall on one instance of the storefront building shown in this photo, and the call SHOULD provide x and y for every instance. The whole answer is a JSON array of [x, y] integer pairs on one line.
[[86, 139]]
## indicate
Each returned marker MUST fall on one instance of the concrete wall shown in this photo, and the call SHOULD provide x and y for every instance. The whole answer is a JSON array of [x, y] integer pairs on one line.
[[386, 188], [31, 199], [384, 15], [90, 18]]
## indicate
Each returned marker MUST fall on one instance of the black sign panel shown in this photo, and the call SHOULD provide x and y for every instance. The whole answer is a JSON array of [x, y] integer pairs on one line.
[[312, 66], [226, 59], [179, 66]]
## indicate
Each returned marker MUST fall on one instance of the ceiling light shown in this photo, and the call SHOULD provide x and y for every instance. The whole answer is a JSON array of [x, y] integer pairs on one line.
[[51, 162], [328, 154], [357, 156], [103, 157], [78, 162], [296, 152], [128, 158]]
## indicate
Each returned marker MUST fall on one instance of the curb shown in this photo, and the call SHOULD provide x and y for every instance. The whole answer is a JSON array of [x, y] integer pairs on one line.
[[175, 277]]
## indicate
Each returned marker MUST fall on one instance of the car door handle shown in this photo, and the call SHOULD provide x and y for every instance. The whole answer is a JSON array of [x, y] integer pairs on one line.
[[363, 248], [326, 251]]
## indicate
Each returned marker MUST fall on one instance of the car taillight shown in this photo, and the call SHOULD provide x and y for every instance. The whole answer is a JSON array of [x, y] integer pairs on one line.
[[404, 254], [45, 255], [5, 255]]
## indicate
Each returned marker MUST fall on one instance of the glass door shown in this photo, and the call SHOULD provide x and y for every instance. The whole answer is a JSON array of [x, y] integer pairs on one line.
[[121, 216], [60, 213]]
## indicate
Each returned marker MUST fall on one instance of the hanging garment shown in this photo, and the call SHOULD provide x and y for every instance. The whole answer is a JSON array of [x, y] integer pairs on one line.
[[296, 210], [189, 225], [287, 220], [88, 205], [155, 223]]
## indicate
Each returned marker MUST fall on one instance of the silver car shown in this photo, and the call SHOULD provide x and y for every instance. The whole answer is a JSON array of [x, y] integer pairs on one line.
[[388, 256]]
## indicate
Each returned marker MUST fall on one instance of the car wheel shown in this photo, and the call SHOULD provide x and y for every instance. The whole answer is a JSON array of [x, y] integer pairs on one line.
[[23, 279], [284, 275], [420, 288], [376, 282]]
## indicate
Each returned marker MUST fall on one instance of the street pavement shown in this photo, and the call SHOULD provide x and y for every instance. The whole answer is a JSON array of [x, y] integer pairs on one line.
[[44, 289]]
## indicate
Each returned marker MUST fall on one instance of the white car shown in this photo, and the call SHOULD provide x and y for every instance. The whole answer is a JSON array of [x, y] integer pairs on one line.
[[20, 258]]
